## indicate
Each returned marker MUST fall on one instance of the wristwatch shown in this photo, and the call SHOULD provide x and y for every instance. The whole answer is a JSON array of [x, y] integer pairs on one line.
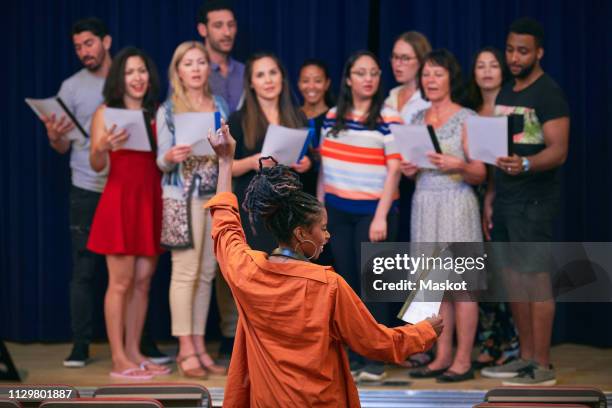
[[525, 164]]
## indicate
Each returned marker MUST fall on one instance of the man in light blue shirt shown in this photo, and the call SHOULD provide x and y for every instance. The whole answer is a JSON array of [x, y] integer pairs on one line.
[[218, 28]]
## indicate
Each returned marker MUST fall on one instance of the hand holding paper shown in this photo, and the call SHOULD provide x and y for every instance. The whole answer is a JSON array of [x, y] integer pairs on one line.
[[177, 154], [436, 323], [488, 138], [415, 142], [127, 129], [191, 129], [58, 120], [57, 128]]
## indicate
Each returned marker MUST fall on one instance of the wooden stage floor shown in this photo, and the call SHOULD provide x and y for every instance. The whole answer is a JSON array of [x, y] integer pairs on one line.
[[42, 363]]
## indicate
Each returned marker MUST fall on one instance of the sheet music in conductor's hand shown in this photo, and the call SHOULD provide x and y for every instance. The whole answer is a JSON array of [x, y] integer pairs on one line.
[[418, 311]]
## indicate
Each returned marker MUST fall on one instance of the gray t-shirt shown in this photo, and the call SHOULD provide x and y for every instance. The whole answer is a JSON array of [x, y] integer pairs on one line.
[[82, 94]]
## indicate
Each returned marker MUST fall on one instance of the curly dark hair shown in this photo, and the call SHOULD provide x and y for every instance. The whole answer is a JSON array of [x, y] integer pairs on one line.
[[114, 87], [275, 195]]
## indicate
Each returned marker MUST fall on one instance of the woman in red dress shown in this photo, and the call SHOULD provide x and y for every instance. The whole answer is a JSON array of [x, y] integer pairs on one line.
[[127, 224]]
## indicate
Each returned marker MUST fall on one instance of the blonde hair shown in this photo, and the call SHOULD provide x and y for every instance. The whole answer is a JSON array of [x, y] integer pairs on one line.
[[179, 97]]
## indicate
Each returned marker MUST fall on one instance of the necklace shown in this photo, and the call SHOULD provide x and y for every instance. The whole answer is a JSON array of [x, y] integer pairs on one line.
[[437, 117], [289, 253]]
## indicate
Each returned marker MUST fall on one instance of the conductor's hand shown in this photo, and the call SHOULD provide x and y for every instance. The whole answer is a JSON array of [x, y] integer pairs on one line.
[[57, 128], [437, 323], [223, 143]]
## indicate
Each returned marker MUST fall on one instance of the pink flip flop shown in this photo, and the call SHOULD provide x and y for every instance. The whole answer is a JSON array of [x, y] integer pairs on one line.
[[147, 363], [132, 374]]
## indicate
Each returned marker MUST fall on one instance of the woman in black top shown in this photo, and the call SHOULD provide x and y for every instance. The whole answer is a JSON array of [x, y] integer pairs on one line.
[[267, 100]]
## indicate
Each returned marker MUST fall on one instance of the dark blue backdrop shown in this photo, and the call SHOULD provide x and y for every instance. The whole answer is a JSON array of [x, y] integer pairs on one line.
[[34, 238]]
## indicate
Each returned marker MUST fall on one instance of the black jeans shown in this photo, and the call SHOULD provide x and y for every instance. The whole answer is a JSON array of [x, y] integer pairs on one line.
[[348, 231], [87, 267]]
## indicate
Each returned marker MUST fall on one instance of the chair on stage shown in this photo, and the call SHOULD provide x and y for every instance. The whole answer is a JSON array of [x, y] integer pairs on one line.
[[169, 394], [558, 396], [9, 403], [526, 405], [103, 403]]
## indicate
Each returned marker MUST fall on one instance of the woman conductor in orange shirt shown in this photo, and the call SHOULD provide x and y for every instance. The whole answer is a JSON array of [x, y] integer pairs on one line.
[[295, 317]]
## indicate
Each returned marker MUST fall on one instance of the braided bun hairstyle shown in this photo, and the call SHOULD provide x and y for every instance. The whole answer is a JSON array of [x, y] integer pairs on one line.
[[275, 195]]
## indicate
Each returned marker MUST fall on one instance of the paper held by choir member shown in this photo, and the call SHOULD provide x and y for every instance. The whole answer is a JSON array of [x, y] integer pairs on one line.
[[487, 138], [133, 121], [191, 128], [55, 105], [414, 142], [284, 144]]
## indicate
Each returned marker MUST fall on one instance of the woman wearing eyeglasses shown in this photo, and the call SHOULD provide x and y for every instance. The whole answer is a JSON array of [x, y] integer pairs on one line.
[[359, 178], [407, 56], [406, 59]]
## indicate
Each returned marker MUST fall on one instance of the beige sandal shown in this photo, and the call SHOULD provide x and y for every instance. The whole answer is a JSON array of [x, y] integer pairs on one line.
[[209, 364], [197, 372]]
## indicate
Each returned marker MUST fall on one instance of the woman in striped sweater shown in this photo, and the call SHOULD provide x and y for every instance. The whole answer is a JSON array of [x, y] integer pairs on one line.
[[359, 178]]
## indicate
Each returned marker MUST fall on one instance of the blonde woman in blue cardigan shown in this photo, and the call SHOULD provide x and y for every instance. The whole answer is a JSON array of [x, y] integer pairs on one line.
[[188, 182]]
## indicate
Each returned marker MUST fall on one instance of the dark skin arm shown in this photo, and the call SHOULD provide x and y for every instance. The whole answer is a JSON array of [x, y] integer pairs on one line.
[[556, 138]]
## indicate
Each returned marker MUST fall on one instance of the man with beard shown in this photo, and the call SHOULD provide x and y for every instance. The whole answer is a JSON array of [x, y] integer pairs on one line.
[[523, 197], [82, 94], [217, 26]]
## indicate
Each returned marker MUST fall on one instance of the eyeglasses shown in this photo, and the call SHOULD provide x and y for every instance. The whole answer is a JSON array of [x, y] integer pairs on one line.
[[362, 73], [404, 59]]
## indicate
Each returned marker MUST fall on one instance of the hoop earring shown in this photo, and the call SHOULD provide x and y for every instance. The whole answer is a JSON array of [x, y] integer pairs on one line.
[[299, 244]]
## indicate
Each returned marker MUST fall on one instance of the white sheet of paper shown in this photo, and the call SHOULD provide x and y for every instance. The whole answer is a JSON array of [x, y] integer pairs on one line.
[[133, 121], [418, 311], [413, 143], [191, 128], [49, 106], [487, 138], [284, 144]]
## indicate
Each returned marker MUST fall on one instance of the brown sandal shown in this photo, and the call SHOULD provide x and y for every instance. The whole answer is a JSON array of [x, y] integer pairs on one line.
[[210, 365], [197, 372]]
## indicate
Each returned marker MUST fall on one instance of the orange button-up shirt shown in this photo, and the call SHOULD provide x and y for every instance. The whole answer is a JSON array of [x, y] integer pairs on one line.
[[294, 320]]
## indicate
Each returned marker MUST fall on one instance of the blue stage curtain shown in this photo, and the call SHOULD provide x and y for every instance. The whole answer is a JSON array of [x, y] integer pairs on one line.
[[34, 184], [35, 243]]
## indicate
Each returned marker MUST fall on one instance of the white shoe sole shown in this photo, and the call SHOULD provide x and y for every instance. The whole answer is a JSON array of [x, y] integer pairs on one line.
[[74, 364], [498, 375], [365, 376], [160, 360], [542, 383]]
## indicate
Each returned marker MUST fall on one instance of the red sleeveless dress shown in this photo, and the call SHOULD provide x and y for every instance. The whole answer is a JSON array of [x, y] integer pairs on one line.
[[128, 216]]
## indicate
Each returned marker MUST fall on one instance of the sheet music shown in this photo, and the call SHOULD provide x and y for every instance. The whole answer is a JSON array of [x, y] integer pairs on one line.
[[284, 144], [414, 143], [487, 138], [49, 106], [134, 122], [191, 128]]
